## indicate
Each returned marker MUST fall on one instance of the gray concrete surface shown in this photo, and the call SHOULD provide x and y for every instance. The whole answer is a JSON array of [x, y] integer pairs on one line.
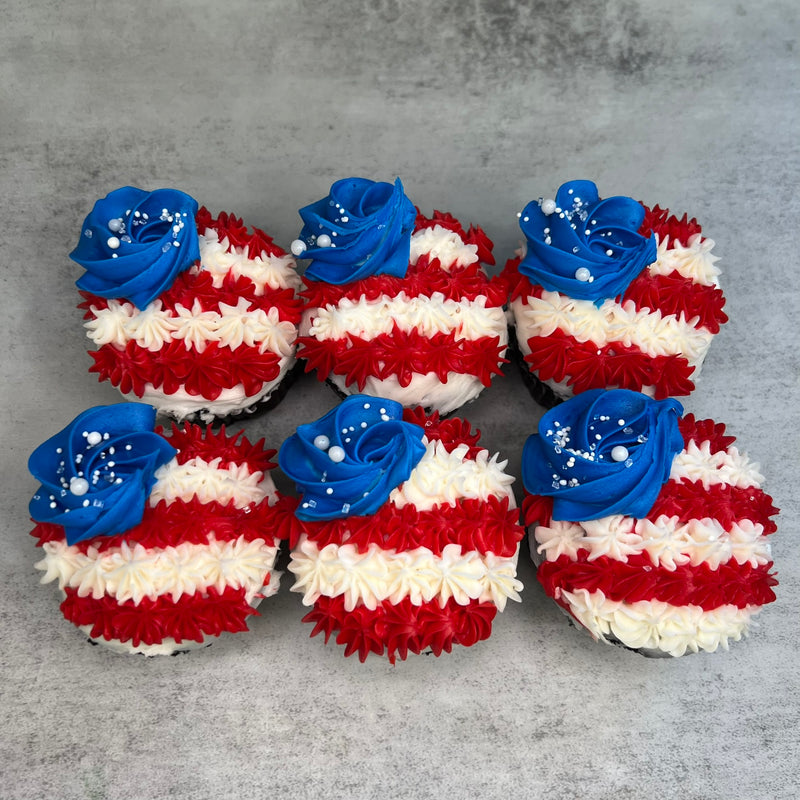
[[255, 108]]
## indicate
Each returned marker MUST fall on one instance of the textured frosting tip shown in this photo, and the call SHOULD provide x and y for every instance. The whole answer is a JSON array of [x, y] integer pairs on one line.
[[360, 228], [603, 452], [349, 461], [97, 473], [583, 246], [134, 243]]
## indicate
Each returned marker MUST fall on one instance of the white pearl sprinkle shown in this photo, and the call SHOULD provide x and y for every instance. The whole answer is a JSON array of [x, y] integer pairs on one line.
[[548, 207], [582, 274], [619, 453], [78, 486], [93, 438], [609, 252], [322, 442], [336, 454], [115, 225], [112, 242], [323, 240], [298, 247]]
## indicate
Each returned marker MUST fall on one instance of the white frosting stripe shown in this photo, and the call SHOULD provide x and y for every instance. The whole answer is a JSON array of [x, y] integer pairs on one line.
[[669, 543], [377, 575], [696, 462], [424, 390], [368, 319], [209, 482], [133, 573], [219, 258], [654, 625], [646, 330], [445, 245], [694, 261], [154, 327], [442, 478]]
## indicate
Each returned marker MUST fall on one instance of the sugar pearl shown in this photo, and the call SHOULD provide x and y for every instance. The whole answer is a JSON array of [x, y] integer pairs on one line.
[[619, 453], [336, 454], [548, 207], [323, 240], [298, 247], [322, 442], [112, 242], [78, 486], [583, 274]]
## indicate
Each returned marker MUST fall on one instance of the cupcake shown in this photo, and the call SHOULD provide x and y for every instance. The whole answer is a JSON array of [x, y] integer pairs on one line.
[[192, 314], [398, 305], [159, 542], [649, 528], [407, 531], [611, 294]]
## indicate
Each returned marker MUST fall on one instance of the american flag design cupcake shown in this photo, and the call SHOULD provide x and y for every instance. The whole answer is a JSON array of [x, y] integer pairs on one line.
[[419, 562], [194, 314], [158, 542], [667, 550], [612, 294]]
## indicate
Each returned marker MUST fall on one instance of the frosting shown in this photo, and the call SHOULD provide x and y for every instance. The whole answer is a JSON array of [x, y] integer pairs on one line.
[[657, 626], [361, 228], [97, 472], [134, 243], [428, 389], [218, 341], [349, 461], [444, 475], [648, 331], [196, 565], [436, 336], [133, 572], [428, 315], [374, 575], [430, 568], [654, 340], [603, 453], [583, 246], [686, 577]]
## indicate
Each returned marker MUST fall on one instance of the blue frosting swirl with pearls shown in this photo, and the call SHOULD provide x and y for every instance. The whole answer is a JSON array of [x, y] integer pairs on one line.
[[134, 243], [361, 228], [349, 461], [603, 452], [97, 473], [582, 246]]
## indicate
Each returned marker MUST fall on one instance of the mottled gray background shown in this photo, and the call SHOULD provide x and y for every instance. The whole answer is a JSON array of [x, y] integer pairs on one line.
[[255, 108]]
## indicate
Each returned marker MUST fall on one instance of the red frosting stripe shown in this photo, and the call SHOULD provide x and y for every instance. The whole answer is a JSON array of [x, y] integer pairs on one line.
[[705, 430], [174, 366], [228, 226], [402, 353], [659, 221], [587, 366], [402, 627], [151, 621], [421, 280], [181, 521], [193, 441], [637, 579], [727, 504], [489, 526]]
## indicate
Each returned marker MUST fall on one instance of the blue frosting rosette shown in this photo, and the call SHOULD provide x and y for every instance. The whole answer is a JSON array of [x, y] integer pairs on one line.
[[603, 452], [361, 228], [349, 461], [97, 473], [585, 247], [134, 243]]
